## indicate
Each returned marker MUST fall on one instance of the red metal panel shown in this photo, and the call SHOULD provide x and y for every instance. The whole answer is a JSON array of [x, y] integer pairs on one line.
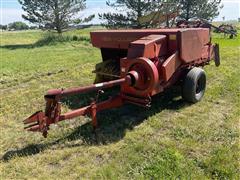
[[122, 38], [191, 43], [149, 46], [170, 66], [205, 52]]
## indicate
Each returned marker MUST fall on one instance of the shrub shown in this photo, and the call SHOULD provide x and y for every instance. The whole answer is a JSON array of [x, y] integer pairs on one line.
[[51, 39], [18, 26]]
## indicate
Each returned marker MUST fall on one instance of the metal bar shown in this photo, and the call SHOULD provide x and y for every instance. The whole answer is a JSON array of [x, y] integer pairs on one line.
[[113, 102], [78, 112], [85, 89], [141, 100], [93, 87], [216, 55]]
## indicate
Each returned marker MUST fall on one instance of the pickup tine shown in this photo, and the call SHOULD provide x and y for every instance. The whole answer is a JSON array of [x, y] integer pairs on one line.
[[34, 122], [34, 118], [33, 128], [31, 125]]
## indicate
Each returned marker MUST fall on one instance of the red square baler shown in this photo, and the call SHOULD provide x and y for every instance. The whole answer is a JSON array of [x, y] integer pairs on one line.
[[145, 63]]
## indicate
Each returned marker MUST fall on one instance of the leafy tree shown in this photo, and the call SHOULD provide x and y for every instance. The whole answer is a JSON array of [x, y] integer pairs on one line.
[[18, 26], [87, 19], [3, 27], [206, 9], [130, 12], [164, 13], [134, 9], [55, 15]]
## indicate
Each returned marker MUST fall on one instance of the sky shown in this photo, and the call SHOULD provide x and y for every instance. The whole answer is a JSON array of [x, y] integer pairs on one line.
[[10, 10]]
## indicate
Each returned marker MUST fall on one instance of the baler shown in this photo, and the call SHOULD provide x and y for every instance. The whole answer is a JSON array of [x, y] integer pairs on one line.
[[145, 63]]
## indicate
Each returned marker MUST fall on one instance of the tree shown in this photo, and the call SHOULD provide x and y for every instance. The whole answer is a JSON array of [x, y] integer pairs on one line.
[[206, 9], [164, 13], [53, 14], [3, 27], [129, 13], [134, 9], [18, 26]]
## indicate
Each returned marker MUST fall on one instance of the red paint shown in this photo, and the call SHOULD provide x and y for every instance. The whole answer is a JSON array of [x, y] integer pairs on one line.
[[154, 60]]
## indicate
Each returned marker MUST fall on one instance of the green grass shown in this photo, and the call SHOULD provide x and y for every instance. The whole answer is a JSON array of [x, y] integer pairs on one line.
[[172, 139]]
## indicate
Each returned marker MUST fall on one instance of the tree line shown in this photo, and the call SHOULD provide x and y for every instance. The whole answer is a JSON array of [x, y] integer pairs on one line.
[[59, 15], [18, 25]]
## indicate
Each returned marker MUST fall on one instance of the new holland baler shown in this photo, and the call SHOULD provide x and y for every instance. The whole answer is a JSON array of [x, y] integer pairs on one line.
[[143, 63]]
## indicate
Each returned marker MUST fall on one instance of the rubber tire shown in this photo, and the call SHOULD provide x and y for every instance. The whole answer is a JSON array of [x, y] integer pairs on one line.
[[194, 85]]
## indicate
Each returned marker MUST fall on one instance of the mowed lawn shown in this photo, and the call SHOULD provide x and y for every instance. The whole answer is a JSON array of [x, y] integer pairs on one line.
[[172, 139]]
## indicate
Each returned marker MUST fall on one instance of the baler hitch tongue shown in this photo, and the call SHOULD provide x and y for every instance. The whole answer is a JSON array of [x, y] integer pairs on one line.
[[40, 121], [37, 123]]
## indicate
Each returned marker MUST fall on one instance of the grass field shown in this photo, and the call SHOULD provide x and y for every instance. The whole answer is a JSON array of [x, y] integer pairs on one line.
[[172, 139]]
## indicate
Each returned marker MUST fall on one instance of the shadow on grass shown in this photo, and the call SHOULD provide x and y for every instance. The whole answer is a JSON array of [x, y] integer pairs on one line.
[[26, 151], [47, 40], [113, 123]]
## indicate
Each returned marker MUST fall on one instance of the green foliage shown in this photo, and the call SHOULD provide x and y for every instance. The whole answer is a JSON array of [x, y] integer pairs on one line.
[[18, 26], [85, 20], [3, 27], [129, 12], [52, 14], [52, 39], [206, 9], [133, 9]]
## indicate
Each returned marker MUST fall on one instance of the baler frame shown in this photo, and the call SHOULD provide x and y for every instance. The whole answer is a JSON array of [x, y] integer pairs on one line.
[[149, 68]]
